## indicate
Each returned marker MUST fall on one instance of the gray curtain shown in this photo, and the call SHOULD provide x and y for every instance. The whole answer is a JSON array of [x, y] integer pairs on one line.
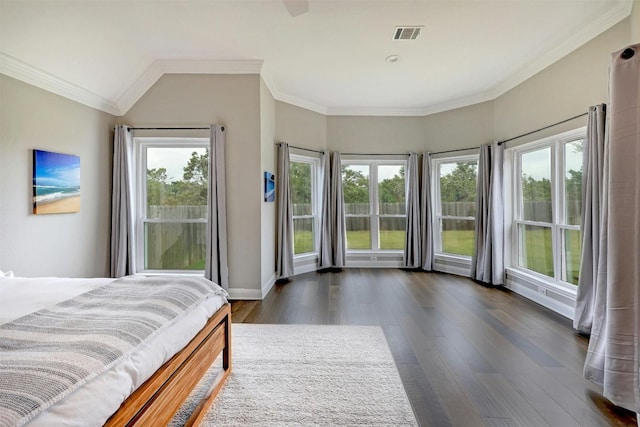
[[325, 256], [216, 266], [487, 263], [122, 256], [413, 240], [284, 214], [332, 224], [593, 157], [426, 215], [613, 355], [338, 229]]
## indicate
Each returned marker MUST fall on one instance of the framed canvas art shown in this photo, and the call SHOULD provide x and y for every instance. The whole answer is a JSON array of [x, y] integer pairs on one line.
[[269, 187], [56, 182]]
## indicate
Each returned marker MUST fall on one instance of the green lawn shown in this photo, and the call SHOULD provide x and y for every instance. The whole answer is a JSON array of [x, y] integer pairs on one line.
[[537, 256]]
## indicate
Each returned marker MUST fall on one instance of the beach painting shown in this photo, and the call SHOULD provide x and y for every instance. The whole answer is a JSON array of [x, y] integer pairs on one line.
[[269, 187], [56, 182]]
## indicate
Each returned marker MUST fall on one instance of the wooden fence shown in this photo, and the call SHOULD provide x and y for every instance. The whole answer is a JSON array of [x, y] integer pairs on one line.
[[176, 246]]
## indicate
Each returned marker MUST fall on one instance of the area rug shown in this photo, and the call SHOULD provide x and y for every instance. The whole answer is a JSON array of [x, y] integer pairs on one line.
[[308, 375]]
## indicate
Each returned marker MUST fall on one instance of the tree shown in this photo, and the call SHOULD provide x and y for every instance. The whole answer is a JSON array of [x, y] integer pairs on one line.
[[392, 190], [156, 186], [355, 186], [192, 190], [460, 185]]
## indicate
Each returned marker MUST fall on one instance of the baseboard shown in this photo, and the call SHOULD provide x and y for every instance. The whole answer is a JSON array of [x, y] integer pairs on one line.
[[245, 294], [542, 299], [266, 286]]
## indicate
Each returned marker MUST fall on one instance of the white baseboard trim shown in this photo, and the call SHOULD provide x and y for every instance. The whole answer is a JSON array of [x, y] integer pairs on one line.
[[245, 294], [266, 286], [543, 300]]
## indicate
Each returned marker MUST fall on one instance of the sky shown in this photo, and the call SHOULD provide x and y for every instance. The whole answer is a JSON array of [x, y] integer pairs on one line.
[[173, 159], [56, 169]]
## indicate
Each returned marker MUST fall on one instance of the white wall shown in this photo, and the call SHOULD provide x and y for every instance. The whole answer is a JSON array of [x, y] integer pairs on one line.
[[268, 163], [300, 127], [635, 22], [232, 101], [72, 244], [564, 89]]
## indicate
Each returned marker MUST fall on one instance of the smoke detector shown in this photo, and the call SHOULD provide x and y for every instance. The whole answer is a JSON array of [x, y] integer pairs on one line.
[[407, 33]]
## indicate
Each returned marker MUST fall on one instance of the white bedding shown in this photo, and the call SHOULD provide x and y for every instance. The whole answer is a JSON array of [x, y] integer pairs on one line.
[[94, 403]]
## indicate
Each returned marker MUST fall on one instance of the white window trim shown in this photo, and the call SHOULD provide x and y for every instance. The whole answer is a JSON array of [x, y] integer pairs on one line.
[[374, 213], [140, 196], [437, 208], [316, 203], [513, 214]]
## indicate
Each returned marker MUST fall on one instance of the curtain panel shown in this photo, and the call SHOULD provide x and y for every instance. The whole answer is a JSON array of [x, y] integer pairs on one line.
[[426, 215], [613, 355], [122, 256], [284, 214], [336, 203], [593, 208], [216, 264], [487, 263], [413, 239]]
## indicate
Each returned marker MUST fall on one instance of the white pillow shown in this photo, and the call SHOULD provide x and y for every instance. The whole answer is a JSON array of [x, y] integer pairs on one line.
[[6, 274]]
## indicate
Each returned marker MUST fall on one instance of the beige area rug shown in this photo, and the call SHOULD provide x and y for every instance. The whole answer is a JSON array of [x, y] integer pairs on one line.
[[307, 375]]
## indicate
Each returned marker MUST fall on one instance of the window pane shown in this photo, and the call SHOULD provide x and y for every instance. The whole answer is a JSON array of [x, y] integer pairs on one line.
[[300, 180], [536, 249], [457, 236], [358, 232], [536, 185], [573, 182], [303, 240], [458, 181], [176, 182], [391, 191], [392, 232], [355, 188], [571, 256], [174, 246]]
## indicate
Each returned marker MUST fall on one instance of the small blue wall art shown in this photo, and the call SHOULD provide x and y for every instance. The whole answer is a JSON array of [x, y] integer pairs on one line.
[[269, 187]]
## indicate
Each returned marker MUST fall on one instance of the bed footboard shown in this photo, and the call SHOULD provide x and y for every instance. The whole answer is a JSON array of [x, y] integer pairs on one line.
[[157, 400]]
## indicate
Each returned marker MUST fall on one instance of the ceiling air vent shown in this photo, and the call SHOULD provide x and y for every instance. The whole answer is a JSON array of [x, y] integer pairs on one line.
[[407, 33]]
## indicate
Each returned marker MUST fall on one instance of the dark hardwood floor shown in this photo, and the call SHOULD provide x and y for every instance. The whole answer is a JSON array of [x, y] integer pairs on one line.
[[467, 355]]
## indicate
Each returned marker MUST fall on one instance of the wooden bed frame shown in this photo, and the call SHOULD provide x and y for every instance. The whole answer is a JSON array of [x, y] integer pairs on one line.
[[156, 401]]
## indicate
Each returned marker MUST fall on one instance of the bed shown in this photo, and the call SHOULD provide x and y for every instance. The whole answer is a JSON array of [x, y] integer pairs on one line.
[[143, 373]]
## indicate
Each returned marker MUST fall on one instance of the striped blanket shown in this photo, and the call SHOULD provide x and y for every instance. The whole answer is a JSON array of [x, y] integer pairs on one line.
[[46, 355]]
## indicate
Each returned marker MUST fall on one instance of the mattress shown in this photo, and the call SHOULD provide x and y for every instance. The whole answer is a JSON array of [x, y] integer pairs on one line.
[[93, 403]]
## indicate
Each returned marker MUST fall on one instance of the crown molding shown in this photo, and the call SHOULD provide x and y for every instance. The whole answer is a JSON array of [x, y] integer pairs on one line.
[[17, 69], [22, 71], [181, 66], [597, 27]]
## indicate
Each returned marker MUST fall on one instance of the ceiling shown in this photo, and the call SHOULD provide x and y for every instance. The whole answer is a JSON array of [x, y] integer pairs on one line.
[[330, 59]]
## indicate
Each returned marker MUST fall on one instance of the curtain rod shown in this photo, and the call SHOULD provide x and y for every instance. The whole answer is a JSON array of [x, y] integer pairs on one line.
[[546, 127], [302, 148], [207, 128], [453, 151], [374, 154]]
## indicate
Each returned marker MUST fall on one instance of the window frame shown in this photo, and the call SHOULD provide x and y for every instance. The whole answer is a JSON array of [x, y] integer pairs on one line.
[[141, 144], [315, 202], [374, 206], [559, 223], [436, 203]]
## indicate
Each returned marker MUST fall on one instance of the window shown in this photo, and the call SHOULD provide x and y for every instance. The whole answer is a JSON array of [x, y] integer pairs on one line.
[[548, 177], [171, 210], [374, 204], [303, 179], [455, 204]]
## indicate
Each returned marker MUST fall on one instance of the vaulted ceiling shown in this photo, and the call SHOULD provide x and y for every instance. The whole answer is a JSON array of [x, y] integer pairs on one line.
[[329, 56]]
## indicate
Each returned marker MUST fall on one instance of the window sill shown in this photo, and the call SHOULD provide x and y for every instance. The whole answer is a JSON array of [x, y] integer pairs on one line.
[[543, 282], [197, 273]]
